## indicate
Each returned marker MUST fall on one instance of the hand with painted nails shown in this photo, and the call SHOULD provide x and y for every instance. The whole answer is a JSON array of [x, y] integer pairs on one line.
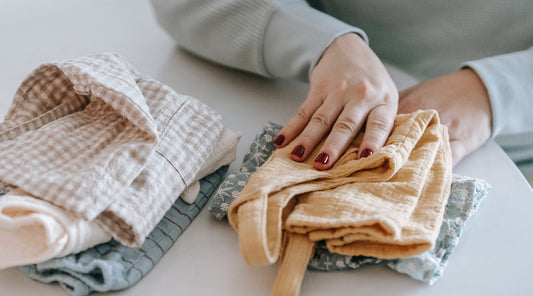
[[462, 102], [349, 87]]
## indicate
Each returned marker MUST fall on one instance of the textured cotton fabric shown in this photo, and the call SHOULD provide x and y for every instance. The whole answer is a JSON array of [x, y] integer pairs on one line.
[[34, 230], [112, 266], [93, 137], [465, 198], [389, 205]]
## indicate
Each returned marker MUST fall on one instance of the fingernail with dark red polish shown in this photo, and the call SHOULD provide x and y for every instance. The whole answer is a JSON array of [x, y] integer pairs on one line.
[[279, 140], [298, 151], [322, 158], [366, 153]]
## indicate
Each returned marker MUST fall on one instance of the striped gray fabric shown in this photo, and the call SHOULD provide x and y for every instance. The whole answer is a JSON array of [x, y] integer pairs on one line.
[[94, 137]]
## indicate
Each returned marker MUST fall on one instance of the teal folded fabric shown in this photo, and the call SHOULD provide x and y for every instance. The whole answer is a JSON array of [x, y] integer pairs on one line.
[[112, 266], [465, 198]]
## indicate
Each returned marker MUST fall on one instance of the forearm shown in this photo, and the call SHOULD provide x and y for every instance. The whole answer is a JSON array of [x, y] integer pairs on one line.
[[508, 79], [224, 31], [281, 39], [296, 37]]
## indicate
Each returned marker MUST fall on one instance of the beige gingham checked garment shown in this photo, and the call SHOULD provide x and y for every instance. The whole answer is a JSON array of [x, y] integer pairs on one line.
[[95, 138]]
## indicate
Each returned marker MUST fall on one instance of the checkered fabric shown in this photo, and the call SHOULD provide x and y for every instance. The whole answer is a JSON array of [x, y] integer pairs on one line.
[[94, 137]]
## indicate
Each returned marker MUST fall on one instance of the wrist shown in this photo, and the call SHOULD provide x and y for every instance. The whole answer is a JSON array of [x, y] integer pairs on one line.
[[346, 42], [478, 92], [475, 81]]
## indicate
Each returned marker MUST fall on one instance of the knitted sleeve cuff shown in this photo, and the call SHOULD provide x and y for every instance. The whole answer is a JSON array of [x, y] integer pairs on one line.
[[508, 79], [295, 38]]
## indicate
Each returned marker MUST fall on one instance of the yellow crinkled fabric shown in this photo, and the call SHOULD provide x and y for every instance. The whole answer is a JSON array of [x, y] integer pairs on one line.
[[389, 205]]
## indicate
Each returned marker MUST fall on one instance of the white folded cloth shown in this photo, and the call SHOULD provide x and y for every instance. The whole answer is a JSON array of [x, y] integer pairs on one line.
[[224, 153], [33, 230]]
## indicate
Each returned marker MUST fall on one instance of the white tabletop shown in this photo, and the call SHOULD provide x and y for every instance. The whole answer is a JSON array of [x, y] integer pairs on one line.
[[492, 258]]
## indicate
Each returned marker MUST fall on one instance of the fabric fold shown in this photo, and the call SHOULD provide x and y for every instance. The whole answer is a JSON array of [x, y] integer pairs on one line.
[[34, 230], [112, 266], [465, 198], [224, 153], [63, 104], [389, 205], [90, 135]]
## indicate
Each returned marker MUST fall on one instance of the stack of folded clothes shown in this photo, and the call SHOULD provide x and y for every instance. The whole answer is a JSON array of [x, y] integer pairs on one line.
[[338, 248], [94, 158]]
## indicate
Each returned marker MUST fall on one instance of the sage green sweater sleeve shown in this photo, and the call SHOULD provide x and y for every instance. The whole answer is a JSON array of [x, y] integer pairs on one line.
[[272, 38], [509, 82]]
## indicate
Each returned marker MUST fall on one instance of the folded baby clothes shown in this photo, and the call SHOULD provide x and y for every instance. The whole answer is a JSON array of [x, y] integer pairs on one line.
[[389, 205], [465, 197], [95, 138], [34, 230], [224, 153], [112, 266]]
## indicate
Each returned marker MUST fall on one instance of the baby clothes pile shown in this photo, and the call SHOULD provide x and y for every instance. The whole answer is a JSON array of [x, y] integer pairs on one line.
[[464, 199], [112, 266], [92, 151]]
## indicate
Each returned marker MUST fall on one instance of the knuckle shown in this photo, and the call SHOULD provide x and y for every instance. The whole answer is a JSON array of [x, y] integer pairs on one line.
[[349, 90], [318, 87], [347, 126], [320, 120], [343, 85], [364, 89], [302, 115], [375, 95], [379, 125], [391, 98]]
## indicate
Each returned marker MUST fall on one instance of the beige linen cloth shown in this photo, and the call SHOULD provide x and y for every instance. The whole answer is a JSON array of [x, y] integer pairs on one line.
[[34, 230], [389, 205], [93, 137]]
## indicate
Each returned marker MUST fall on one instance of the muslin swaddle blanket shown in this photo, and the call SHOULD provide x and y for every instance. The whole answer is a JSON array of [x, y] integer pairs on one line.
[[466, 196], [389, 205], [112, 266], [93, 137]]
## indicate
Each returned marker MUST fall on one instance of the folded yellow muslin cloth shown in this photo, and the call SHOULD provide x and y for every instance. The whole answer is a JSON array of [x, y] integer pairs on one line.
[[389, 205]]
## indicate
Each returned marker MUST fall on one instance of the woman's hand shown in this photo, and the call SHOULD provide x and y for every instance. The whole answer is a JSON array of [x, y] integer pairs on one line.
[[348, 87], [462, 102]]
